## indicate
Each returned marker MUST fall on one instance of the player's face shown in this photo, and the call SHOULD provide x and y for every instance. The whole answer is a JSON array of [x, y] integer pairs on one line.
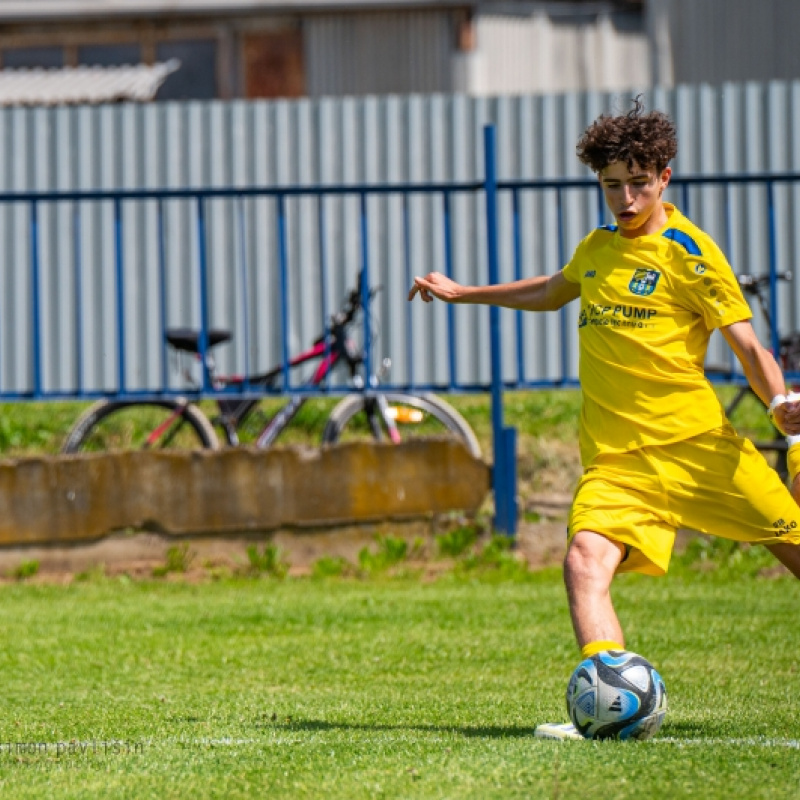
[[634, 197]]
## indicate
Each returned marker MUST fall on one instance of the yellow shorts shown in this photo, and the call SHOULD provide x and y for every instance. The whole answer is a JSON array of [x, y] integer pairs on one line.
[[716, 483]]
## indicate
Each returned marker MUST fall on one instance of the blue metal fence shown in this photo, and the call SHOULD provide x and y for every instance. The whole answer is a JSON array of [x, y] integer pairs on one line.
[[503, 223]]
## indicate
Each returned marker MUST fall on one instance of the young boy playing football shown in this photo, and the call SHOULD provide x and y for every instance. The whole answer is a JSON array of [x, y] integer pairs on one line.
[[657, 450]]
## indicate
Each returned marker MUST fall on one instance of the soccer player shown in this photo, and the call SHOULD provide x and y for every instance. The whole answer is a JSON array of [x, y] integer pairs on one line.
[[657, 450]]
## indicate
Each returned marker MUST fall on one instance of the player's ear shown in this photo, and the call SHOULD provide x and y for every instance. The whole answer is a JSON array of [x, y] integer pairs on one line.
[[666, 174]]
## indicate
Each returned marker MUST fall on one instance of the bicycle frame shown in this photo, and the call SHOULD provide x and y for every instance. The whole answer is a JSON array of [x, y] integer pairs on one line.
[[323, 349], [331, 348]]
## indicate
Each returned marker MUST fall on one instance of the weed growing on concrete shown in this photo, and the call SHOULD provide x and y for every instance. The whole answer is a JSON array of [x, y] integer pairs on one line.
[[456, 542], [178, 559], [331, 567], [269, 560], [391, 551], [27, 569], [495, 559]]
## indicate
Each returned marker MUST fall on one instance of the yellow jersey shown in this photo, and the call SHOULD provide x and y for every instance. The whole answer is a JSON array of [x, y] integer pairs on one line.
[[648, 308]]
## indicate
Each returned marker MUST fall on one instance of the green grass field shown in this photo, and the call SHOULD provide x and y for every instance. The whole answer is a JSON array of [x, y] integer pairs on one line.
[[388, 687], [390, 684]]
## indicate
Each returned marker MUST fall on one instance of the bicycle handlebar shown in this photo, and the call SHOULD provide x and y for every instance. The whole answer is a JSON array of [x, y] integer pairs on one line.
[[353, 303], [753, 283]]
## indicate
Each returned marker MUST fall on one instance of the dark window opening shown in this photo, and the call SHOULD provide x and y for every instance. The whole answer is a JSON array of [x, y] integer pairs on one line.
[[196, 79]]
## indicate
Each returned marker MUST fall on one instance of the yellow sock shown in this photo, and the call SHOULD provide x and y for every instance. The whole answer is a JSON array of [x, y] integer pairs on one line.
[[593, 648]]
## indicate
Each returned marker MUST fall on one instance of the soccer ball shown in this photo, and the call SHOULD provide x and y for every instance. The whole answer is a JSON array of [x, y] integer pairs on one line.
[[616, 694]]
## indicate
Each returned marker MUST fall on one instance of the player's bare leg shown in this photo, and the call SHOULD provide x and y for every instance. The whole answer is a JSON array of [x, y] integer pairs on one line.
[[588, 571], [589, 568], [788, 554]]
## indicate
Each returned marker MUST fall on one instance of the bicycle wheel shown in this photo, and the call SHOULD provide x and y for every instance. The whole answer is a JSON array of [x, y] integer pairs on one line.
[[417, 417], [141, 425]]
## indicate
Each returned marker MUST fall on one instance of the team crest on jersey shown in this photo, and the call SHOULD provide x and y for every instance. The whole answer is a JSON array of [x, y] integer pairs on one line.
[[644, 281]]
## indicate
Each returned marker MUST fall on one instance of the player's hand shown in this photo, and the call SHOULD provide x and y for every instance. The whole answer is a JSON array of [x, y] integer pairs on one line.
[[787, 415], [434, 284]]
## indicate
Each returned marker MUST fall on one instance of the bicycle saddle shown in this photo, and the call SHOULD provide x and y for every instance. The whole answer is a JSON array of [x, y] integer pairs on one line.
[[187, 338]]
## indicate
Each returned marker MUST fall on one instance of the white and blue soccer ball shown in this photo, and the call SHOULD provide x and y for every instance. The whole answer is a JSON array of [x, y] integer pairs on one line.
[[616, 694]]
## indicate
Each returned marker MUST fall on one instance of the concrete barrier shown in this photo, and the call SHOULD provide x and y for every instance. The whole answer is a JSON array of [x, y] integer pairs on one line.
[[63, 500]]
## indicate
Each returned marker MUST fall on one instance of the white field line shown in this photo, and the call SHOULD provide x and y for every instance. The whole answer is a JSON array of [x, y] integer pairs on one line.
[[762, 741], [750, 741], [227, 741]]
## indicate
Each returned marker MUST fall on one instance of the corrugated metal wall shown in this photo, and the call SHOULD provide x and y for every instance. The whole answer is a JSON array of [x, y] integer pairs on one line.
[[522, 48], [737, 128], [539, 52], [379, 53], [726, 40]]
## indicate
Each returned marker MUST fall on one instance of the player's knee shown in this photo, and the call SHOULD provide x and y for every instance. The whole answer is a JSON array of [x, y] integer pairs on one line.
[[591, 558]]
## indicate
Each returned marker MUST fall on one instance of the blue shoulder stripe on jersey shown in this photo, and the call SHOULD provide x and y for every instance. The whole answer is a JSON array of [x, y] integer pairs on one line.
[[611, 228], [683, 239]]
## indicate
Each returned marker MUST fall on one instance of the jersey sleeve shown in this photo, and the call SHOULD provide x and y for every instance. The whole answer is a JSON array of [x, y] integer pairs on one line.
[[572, 271], [710, 288]]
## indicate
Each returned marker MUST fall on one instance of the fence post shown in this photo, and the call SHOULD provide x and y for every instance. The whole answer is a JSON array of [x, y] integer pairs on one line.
[[504, 469]]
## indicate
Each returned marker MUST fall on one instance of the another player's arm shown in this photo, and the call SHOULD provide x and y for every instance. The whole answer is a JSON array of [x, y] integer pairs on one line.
[[543, 293], [762, 372]]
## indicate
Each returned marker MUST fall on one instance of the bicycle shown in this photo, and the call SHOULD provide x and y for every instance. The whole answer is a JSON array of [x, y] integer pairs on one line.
[[788, 357], [159, 423]]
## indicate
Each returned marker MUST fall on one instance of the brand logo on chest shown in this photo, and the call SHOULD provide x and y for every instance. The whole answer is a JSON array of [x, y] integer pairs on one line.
[[644, 281]]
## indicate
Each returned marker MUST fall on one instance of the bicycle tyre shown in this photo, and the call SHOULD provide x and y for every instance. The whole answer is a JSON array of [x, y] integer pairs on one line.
[[441, 420], [109, 425]]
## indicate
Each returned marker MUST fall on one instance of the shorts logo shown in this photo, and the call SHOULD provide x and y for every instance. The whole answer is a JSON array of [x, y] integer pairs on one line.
[[699, 268], [644, 281], [783, 526]]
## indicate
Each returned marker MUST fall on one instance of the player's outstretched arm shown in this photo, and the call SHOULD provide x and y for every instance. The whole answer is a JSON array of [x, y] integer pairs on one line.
[[543, 293], [763, 374]]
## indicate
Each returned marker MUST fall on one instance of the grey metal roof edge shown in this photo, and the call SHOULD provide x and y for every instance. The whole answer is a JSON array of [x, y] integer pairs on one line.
[[38, 11]]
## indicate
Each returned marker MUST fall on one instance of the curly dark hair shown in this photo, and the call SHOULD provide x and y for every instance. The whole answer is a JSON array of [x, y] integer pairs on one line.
[[648, 139]]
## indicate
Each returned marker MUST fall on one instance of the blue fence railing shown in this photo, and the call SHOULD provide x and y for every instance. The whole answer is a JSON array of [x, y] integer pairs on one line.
[[99, 275]]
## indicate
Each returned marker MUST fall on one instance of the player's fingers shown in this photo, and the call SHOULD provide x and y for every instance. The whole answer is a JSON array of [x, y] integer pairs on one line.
[[791, 410], [423, 289]]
